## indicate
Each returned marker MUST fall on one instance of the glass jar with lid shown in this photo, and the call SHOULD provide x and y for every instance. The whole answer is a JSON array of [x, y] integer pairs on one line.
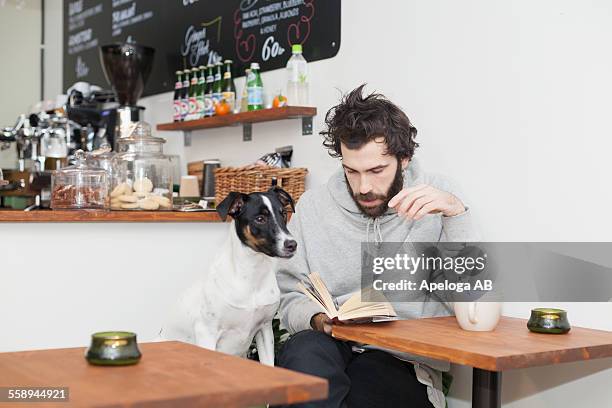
[[141, 173], [80, 186], [102, 158]]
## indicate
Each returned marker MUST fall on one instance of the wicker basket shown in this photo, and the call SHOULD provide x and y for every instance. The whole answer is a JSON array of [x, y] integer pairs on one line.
[[251, 179]]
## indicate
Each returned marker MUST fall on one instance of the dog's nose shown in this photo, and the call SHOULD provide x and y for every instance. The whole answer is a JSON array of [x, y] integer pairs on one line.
[[290, 245]]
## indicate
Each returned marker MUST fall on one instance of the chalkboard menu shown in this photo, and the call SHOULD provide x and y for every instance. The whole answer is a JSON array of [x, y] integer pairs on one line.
[[188, 33]]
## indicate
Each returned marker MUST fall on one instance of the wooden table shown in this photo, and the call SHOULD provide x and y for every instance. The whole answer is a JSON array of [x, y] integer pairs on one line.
[[509, 346], [170, 374]]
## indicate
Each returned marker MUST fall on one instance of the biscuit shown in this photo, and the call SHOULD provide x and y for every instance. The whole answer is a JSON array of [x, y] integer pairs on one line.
[[148, 204], [128, 198], [129, 206], [121, 189], [162, 201], [143, 185]]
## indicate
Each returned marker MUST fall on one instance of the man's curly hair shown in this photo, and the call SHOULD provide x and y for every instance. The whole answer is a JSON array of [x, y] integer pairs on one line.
[[357, 120]]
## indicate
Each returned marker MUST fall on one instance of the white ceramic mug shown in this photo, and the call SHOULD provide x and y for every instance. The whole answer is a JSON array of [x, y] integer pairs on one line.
[[478, 316]]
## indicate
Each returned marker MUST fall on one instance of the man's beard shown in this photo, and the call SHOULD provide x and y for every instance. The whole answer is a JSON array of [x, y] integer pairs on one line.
[[374, 212]]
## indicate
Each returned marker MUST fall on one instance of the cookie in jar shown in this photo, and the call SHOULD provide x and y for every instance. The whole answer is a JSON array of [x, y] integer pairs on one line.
[[140, 195], [142, 174]]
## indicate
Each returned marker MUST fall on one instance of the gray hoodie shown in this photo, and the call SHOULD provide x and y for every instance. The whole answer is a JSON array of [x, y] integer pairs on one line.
[[329, 230]]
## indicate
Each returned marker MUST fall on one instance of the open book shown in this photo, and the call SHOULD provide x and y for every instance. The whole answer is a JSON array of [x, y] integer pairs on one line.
[[353, 310]]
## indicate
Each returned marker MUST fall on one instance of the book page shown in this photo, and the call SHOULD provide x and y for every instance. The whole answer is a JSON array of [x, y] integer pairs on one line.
[[313, 296], [354, 308], [323, 292], [320, 295]]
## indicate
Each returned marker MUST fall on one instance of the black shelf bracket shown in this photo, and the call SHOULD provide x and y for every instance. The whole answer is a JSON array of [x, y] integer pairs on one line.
[[186, 138], [247, 132], [307, 126]]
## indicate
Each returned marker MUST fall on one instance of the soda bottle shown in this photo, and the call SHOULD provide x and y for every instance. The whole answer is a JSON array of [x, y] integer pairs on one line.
[[193, 102], [297, 78], [177, 115], [185, 95], [218, 84], [255, 88], [208, 93], [244, 100], [229, 87], [201, 88]]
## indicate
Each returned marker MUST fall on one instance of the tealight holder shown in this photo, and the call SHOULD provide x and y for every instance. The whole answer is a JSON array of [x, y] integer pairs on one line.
[[549, 321], [113, 348]]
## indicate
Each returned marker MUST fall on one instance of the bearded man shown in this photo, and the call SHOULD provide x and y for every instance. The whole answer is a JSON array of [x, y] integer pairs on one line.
[[380, 193]]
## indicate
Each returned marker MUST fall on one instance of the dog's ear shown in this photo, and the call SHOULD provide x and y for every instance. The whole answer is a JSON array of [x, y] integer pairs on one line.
[[231, 205], [283, 196]]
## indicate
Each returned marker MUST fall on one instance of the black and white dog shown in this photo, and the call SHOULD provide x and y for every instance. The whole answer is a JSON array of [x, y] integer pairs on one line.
[[239, 296]]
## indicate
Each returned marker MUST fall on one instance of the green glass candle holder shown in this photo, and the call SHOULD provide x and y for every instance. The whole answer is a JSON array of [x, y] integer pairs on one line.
[[113, 348], [549, 321]]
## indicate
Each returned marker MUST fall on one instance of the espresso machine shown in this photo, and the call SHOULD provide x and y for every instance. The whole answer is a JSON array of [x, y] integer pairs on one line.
[[127, 68], [46, 141], [28, 185], [93, 118]]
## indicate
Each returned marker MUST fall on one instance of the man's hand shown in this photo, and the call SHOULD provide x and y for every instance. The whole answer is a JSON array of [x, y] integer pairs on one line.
[[416, 202], [321, 322]]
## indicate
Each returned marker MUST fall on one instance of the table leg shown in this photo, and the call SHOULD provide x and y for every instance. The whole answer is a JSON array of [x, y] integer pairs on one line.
[[486, 388]]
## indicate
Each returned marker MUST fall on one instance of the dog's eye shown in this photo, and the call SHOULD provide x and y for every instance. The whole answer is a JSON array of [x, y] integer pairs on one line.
[[260, 219]]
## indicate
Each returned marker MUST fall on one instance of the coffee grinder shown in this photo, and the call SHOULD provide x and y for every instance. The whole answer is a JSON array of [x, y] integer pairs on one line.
[[127, 68]]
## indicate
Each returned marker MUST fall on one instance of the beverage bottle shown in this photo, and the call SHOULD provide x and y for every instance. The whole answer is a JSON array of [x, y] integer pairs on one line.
[[244, 100], [255, 88], [218, 84], [297, 78], [185, 95], [201, 88], [229, 87], [208, 93], [193, 103], [177, 115]]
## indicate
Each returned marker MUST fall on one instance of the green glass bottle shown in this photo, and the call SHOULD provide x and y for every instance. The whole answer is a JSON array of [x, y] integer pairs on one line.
[[218, 84], [185, 95], [193, 103], [208, 92], [229, 87], [255, 88], [201, 88], [178, 95]]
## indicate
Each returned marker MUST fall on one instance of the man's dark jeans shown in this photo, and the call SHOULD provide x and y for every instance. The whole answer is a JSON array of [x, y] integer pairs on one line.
[[373, 379]]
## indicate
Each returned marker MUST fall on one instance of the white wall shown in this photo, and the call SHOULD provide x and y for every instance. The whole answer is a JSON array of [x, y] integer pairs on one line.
[[19, 57], [510, 99], [54, 19]]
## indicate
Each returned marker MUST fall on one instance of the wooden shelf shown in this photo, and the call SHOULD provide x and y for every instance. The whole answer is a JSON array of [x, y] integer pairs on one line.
[[263, 115], [106, 216]]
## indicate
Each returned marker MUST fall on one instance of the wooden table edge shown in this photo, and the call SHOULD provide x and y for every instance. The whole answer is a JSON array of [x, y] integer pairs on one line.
[[489, 363], [598, 352], [316, 391], [486, 362], [311, 388]]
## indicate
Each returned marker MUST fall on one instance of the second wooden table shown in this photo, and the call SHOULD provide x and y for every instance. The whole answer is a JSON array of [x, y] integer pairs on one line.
[[511, 345]]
